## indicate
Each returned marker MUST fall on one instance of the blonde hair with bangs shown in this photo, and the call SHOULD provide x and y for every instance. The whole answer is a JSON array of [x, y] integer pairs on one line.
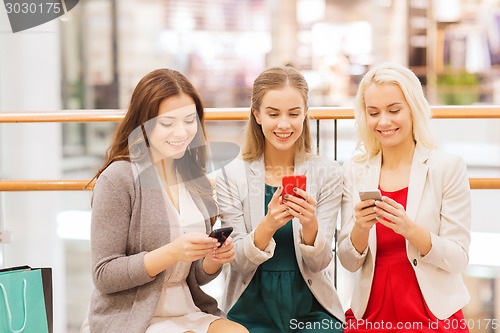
[[389, 73]]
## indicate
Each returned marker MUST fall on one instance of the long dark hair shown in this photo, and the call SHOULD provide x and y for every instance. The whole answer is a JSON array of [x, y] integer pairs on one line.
[[144, 105]]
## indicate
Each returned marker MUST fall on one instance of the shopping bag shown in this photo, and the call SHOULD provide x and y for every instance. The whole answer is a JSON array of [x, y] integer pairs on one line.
[[26, 300]]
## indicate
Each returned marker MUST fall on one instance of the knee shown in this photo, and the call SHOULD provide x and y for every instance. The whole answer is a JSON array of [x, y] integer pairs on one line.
[[236, 328], [240, 329], [226, 326]]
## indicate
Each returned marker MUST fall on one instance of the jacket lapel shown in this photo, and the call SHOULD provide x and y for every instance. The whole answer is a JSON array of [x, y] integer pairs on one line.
[[372, 180], [418, 175], [256, 184]]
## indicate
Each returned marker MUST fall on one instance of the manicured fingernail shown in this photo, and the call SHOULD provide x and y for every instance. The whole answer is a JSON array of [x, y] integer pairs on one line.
[[295, 189], [286, 196]]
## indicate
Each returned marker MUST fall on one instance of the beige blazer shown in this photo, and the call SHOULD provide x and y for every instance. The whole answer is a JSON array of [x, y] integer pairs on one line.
[[240, 194], [438, 200]]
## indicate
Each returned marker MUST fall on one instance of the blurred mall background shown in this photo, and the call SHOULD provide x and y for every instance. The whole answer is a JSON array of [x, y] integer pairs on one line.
[[93, 56]]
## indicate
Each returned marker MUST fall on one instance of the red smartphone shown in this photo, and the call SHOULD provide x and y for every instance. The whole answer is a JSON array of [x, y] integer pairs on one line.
[[290, 182], [221, 234]]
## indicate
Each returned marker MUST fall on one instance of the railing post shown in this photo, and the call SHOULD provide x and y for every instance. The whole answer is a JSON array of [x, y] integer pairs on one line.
[[317, 136], [2, 226], [335, 138]]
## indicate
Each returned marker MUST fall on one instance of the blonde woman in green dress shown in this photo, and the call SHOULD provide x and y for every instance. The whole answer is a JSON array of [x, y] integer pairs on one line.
[[281, 279]]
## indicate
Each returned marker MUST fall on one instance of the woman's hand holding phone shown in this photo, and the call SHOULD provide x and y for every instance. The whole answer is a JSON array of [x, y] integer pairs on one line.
[[365, 218], [224, 253], [364, 211], [373, 208], [393, 215], [301, 206], [193, 246], [277, 214]]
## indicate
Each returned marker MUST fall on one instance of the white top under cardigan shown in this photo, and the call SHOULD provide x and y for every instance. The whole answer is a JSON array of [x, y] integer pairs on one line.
[[176, 311]]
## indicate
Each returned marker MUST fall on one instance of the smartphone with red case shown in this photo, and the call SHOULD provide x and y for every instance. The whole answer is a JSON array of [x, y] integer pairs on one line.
[[290, 182]]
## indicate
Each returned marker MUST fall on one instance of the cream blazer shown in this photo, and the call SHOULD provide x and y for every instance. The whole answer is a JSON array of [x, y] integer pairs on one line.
[[240, 195], [438, 200]]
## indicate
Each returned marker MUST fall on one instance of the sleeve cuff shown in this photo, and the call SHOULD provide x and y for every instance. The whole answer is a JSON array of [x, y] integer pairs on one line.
[[311, 250], [355, 253], [254, 254], [432, 257], [203, 277], [137, 270]]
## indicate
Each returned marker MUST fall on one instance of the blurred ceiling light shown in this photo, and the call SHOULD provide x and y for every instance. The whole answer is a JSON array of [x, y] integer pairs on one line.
[[447, 10], [421, 4], [385, 3], [184, 19], [310, 11]]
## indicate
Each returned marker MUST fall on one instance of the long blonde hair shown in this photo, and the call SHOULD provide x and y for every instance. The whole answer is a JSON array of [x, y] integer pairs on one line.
[[272, 79], [368, 145]]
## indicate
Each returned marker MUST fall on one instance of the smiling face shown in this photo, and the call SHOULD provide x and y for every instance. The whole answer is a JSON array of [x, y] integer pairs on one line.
[[281, 116], [388, 115], [174, 129]]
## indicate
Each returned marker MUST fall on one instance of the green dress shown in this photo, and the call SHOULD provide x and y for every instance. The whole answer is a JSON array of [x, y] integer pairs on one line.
[[278, 299]]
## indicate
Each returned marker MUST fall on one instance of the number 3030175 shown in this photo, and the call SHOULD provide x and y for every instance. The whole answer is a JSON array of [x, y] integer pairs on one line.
[[476, 324], [33, 8]]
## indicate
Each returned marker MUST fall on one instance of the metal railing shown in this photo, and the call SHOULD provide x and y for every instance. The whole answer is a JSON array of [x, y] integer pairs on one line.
[[214, 114]]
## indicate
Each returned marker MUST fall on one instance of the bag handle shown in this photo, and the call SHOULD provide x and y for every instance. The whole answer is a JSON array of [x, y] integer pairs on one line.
[[7, 306]]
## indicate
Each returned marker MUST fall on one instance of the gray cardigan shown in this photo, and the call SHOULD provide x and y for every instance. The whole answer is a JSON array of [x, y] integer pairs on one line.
[[240, 194], [129, 218]]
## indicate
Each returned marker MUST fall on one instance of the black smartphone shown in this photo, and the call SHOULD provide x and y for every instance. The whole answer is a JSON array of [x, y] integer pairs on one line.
[[221, 234]]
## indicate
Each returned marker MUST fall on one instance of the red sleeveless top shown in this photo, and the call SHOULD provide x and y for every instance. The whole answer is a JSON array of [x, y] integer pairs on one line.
[[396, 303]]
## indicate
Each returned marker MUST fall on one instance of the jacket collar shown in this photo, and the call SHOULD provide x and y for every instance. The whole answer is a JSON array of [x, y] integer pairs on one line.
[[300, 166]]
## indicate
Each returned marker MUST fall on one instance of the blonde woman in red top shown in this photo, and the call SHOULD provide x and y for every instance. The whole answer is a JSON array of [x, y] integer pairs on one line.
[[409, 248]]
